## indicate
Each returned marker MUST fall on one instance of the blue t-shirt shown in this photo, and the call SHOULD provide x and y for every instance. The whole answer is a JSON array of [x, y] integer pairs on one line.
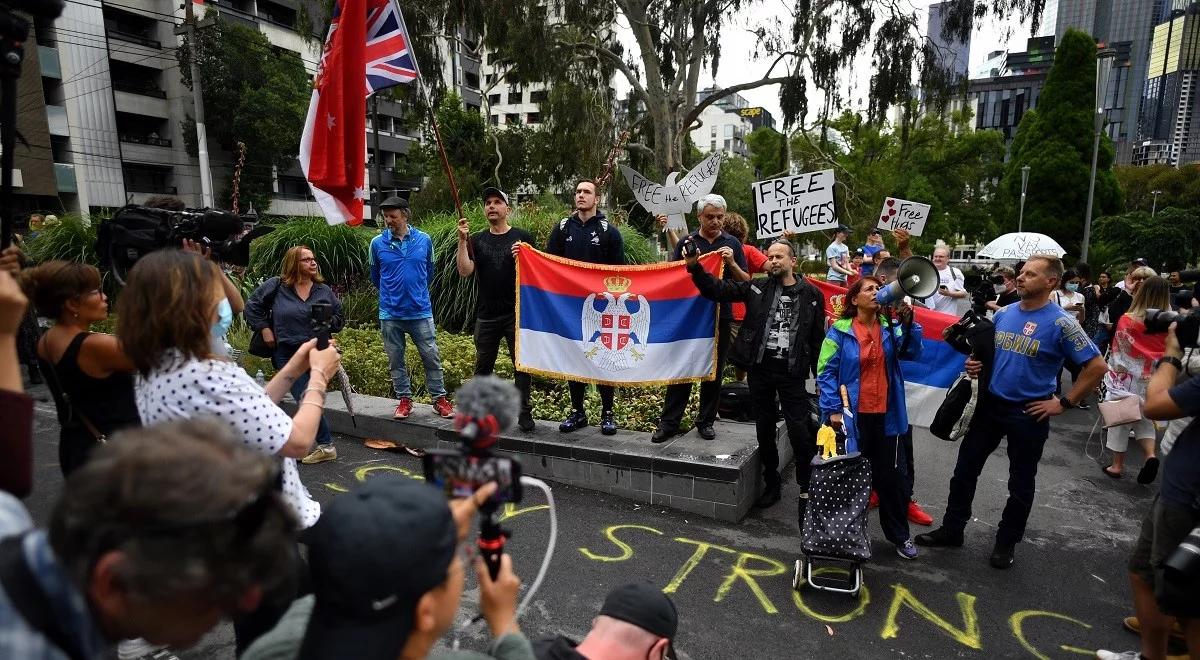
[[1181, 470], [869, 251], [1031, 347], [841, 254]]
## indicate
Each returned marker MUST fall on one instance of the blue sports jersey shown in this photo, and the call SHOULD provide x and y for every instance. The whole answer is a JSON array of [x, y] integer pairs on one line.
[[1031, 347]]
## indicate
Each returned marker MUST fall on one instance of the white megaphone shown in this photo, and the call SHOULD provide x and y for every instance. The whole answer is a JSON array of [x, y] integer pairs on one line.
[[917, 277]]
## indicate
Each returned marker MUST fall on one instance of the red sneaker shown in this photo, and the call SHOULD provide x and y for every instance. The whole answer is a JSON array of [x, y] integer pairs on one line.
[[404, 409], [917, 515], [443, 407], [873, 503]]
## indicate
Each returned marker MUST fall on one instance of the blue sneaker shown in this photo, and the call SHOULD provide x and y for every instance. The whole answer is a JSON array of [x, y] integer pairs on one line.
[[907, 550]]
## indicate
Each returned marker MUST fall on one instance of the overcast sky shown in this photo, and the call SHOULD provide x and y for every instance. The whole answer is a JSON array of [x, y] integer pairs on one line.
[[737, 45]]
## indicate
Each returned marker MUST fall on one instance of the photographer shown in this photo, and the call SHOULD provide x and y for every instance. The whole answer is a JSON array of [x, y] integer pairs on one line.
[[1005, 289], [281, 309], [388, 576], [778, 347], [1160, 592], [164, 532]]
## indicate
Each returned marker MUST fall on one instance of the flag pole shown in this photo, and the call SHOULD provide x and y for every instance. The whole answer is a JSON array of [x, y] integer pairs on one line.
[[437, 135]]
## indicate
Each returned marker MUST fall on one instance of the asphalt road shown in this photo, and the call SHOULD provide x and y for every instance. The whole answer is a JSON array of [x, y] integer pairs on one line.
[[732, 583]]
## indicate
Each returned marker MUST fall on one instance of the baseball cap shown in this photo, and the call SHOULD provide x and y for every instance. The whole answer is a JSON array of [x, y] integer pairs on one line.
[[1141, 261], [875, 231], [394, 202], [374, 552], [496, 192], [842, 228], [644, 606]]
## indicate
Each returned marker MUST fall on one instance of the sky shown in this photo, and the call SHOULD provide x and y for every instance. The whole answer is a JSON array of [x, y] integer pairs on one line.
[[737, 65]]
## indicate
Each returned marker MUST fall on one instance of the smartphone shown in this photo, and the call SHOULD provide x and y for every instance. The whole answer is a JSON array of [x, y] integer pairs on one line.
[[321, 317], [461, 475]]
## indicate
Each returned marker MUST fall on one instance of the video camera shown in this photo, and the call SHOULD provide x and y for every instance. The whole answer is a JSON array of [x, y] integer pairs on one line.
[[135, 231], [1188, 329]]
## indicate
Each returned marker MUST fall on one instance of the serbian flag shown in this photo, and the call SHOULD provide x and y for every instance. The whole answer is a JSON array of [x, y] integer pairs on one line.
[[367, 50], [925, 381], [614, 325]]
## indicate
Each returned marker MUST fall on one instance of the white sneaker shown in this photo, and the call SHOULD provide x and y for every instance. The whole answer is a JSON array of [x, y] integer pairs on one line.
[[320, 454], [140, 649], [1113, 655]]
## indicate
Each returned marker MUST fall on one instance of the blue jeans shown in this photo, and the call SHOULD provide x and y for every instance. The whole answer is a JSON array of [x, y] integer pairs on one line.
[[422, 333], [280, 358], [994, 420]]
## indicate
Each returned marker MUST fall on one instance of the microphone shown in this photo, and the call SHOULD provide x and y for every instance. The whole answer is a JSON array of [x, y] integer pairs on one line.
[[486, 406]]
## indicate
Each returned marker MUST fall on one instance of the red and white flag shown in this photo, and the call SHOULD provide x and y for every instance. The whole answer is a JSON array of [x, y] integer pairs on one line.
[[367, 50]]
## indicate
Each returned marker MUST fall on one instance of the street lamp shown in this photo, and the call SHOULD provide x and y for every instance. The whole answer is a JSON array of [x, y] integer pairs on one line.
[[1104, 62], [1024, 185], [1154, 204]]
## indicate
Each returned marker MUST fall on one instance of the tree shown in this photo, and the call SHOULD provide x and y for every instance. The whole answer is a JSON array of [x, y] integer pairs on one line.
[[253, 94], [733, 183], [1170, 241], [768, 152], [1178, 186], [676, 40], [1055, 141]]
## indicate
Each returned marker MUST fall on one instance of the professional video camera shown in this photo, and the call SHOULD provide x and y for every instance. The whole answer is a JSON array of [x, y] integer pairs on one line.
[[1188, 331], [135, 231]]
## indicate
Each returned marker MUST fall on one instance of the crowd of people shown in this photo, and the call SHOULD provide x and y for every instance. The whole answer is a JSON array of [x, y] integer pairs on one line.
[[384, 574]]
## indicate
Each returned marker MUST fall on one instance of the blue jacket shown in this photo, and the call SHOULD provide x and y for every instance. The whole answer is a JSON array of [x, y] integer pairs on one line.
[[839, 364], [402, 269]]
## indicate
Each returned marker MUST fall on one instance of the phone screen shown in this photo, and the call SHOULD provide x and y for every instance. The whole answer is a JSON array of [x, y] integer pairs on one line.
[[461, 476]]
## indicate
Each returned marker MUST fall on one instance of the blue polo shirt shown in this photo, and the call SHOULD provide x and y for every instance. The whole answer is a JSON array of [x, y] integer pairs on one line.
[[1031, 347], [402, 268]]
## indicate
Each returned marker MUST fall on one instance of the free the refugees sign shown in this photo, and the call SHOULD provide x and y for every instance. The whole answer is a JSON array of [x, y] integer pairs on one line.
[[675, 197], [798, 204], [903, 214]]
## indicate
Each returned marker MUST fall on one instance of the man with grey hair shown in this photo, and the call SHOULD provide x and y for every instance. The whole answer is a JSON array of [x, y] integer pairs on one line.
[[710, 237], [951, 284]]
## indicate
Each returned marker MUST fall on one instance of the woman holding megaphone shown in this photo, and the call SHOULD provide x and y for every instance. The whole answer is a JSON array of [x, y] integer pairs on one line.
[[862, 351]]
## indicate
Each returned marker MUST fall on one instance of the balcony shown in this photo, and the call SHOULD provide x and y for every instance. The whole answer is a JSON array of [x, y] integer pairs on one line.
[[142, 88], [151, 189], [56, 116], [126, 34], [48, 59], [153, 141], [64, 178]]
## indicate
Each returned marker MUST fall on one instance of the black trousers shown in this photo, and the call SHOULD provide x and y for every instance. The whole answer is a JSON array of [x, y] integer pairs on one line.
[[767, 380], [1026, 439], [887, 474], [910, 476], [488, 333], [677, 396], [579, 390]]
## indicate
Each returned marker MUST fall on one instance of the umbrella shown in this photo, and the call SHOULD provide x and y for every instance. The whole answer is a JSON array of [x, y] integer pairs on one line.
[[1021, 245], [347, 391], [849, 426]]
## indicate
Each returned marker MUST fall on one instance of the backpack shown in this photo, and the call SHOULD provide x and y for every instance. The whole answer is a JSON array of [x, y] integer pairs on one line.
[[133, 232]]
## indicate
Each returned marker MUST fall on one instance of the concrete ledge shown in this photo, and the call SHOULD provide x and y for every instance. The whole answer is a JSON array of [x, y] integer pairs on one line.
[[716, 478]]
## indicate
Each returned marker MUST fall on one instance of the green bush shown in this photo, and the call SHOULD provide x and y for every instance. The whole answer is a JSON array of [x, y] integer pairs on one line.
[[70, 240], [341, 250], [360, 305]]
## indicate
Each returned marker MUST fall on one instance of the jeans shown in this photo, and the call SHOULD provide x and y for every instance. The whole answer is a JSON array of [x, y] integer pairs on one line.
[[887, 475], [279, 358], [766, 380], [1026, 439], [488, 333], [423, 336], [677, 396]]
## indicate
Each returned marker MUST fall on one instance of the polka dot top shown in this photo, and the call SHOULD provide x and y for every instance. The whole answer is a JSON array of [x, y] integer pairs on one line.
[[192, 388]]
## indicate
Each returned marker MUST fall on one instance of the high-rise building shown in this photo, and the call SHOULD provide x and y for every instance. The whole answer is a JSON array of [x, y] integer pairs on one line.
[[954, 56], [723, 127], [1170, 118], [1011, 87], [1127, 26]]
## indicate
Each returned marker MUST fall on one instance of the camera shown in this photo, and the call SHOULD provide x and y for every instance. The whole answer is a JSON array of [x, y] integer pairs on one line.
[[690, 249], [1184, 560], [460, 474], [1187, 330], [996, 279], [135, 231]]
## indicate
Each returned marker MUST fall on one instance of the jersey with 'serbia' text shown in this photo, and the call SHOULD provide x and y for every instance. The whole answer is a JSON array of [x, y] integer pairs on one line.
[[1031, 347]]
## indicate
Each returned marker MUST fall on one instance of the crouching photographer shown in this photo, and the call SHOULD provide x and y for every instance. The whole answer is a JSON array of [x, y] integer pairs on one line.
[[1164, 569]]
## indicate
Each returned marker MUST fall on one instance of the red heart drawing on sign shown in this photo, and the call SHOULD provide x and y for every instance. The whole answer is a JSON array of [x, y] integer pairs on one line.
[[891, 202], [883, 218], [891, 211]]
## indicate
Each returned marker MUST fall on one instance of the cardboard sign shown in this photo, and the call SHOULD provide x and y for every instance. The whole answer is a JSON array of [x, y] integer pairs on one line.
[[673, 199], [798, 204], [903, 214]]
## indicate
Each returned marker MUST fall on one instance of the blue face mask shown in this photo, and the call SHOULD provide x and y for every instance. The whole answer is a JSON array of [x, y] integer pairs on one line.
[[224, 319], [1072, 286]]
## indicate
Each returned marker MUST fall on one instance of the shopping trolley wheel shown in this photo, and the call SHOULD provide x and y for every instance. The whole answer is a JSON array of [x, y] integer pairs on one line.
[[798, 575]]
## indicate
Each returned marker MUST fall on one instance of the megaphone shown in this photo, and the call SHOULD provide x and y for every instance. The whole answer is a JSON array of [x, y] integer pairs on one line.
[[917, 277]]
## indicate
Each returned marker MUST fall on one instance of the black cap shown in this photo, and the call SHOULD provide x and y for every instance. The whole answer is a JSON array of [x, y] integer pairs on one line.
[[645, 606], [394, 202], [374, 552], [842, 228], [1141, 261], [496, 192], [875, 231]]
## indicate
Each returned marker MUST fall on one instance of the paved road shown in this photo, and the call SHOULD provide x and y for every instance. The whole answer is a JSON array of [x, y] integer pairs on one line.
[[732, 583]]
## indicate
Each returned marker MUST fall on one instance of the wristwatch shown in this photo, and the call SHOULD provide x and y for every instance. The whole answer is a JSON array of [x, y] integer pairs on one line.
[[1171, 360], [1065, 402]]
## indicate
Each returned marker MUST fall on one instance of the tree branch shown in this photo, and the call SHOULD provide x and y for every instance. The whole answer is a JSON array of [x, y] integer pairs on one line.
[[621, 65], [694, 114]]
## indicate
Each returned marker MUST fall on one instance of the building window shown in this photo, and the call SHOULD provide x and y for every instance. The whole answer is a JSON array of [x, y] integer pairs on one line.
[[291, 187], [494, 99], [491, 78], [471, 107], [712, 146], [728, 145], [472, 80], [533, 118], [512, 118], [514, 98], [714, 131], [495, 120], [728, 131], [538, 96]]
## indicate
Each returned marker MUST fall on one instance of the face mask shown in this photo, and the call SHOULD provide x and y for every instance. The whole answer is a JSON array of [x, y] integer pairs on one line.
[[999, 288], [1072, 287], [224, 318]]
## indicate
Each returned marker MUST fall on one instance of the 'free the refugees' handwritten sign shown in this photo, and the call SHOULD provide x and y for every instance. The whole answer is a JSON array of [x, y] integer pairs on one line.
[[797, 204], [903, 214], [674, 198]]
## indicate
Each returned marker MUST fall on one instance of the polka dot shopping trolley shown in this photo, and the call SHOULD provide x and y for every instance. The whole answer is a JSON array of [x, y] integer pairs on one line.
[[834, 540]]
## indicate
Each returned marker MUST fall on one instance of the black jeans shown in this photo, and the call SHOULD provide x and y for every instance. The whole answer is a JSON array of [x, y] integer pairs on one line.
[[488, 333], [677, 396], [766, 380], [910, 475], [579, 390], [1026, 439], [887, 474]]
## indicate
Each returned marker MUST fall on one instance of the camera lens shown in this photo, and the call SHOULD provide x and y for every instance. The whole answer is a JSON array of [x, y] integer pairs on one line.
[[1158, 320], [1184, 560]]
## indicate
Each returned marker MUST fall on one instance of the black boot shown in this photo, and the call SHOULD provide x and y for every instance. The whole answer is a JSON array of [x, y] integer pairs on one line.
[[35, 375], [771, 494]]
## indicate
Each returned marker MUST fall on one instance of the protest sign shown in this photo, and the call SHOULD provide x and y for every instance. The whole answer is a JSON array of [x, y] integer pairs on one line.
[[673, 199], [903, 214], [797, 204]]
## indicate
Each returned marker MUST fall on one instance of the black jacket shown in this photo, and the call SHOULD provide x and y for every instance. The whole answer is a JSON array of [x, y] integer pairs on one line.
[[595, 241], [761, 296]]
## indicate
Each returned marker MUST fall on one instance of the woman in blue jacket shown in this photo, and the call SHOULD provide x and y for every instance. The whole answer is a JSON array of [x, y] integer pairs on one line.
[[862, 351]]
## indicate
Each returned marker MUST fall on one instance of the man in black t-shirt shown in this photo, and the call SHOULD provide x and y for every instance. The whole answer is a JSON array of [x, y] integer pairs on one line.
[[492, 256]]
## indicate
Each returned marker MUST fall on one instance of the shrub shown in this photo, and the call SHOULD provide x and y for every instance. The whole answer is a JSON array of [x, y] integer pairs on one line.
[[340, 250], [360, 305], [70, 240]]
